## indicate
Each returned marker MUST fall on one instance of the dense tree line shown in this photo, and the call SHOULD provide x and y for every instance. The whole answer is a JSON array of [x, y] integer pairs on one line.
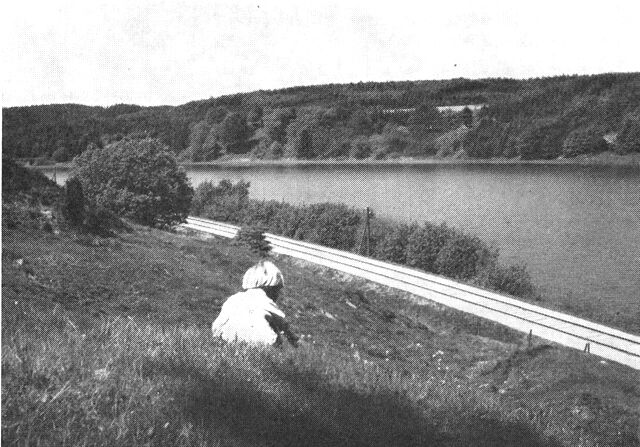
[[538, 118]]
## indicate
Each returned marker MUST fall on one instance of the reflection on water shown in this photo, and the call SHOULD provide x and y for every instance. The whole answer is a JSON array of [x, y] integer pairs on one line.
[[577, 228]]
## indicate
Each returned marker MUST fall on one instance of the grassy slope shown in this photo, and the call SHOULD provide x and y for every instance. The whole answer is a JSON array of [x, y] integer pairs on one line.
[[106, 341]]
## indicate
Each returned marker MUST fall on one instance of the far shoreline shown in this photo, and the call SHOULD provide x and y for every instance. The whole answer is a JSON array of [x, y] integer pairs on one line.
[[606, 159]]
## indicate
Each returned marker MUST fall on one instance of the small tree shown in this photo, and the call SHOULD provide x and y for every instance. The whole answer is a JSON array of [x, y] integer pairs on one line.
[[73, 205], [140, 180], [253, 238]]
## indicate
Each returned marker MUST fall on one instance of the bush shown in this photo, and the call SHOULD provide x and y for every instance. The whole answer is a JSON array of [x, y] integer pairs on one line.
[[253, 238], [424, 245], [287, 220], [73, 203], [513, 279], [331, 224], [462, 257], [140, 180], [262, 213], [392, 242], [432, 248]]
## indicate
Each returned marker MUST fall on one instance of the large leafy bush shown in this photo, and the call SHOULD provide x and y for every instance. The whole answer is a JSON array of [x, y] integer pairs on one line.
[[137, 179]]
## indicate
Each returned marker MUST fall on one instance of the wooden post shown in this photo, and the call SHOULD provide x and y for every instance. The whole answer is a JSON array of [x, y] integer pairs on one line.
[[368, 232]]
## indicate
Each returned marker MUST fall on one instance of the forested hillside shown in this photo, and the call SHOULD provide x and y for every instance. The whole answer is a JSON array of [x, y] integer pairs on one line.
[[541, 118]]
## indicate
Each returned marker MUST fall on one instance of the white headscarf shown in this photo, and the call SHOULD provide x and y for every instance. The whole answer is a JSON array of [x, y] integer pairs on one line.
[[263, 274]]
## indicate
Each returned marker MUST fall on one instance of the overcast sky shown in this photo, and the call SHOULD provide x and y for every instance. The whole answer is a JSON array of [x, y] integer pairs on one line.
[[174, 51]]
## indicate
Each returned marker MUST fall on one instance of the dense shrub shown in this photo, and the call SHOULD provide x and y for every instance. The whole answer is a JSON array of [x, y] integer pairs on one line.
[[432, 248], [513, 279], [461, 257], [137, 179], [424, 245], [288, 220], [391, 243], [331, 224]]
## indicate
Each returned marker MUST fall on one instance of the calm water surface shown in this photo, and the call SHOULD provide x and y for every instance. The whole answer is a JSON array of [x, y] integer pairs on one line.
[[576, 228]]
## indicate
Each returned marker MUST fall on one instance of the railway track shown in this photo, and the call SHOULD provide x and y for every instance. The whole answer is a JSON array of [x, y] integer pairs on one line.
[[567, 330]]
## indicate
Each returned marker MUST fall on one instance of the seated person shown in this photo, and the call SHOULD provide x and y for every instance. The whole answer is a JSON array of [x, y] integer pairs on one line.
[[252, 316]]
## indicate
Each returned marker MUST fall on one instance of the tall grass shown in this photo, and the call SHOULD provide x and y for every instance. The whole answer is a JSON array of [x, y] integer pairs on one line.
[[126, 383]]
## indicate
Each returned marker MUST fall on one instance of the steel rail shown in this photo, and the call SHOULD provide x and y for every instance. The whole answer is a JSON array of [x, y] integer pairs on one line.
[[558, 327]]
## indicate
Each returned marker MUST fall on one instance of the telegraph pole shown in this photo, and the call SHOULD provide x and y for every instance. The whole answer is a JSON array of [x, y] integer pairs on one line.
[[368, 231]]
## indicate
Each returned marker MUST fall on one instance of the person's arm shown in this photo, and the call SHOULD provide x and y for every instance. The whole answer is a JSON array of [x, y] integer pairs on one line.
[[280, 325]]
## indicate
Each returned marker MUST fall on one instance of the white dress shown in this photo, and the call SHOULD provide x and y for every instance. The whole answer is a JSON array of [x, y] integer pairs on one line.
[[246, 316]]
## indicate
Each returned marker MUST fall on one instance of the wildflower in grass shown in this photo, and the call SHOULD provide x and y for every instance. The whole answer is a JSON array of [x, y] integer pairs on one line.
[[253, 316]]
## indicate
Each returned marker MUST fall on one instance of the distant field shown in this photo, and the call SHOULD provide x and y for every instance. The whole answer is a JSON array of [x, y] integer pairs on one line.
[[106, 341]]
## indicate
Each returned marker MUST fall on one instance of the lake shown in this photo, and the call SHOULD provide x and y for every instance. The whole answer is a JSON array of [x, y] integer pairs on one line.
[[576, 227]]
